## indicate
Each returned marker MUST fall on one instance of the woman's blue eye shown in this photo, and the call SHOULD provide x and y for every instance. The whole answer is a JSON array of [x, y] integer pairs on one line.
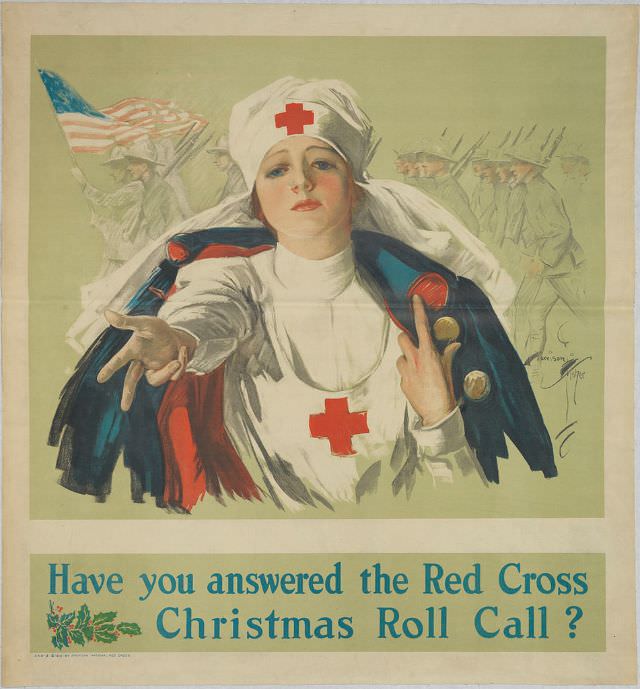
[[276, 172], [323, 164]]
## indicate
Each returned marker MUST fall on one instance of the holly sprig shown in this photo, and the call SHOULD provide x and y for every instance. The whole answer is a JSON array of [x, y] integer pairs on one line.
[[79, 627]]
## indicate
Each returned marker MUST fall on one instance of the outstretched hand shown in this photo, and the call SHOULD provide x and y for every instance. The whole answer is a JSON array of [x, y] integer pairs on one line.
[[425, 373], [155, 348]]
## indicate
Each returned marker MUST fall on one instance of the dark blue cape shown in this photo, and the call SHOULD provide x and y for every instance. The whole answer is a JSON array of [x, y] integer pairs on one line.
[[92, 431]]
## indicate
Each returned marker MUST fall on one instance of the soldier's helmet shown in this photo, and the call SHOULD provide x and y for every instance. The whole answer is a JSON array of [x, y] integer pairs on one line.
[[221, 145], [573, 151], [529, 152], [407, 152], [438, 148], [498, 156], [143, 149], [117, 156], [481, 155]]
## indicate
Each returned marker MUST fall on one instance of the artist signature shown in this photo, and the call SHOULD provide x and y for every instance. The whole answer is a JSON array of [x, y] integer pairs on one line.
[[571, 368], [571, 371]]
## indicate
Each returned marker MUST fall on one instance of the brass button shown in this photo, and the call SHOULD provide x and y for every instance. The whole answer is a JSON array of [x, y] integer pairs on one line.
[[446, 329], [477, 385]]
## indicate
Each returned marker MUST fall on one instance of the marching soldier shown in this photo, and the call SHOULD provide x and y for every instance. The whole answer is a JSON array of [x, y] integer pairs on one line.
[[166, 153], [551, 257], [407, 166], [506, 216], [501, 220], [482, 197], [160, 207], [401, 164], [222, 160], [115, 213], [576, 169], [434, 161]]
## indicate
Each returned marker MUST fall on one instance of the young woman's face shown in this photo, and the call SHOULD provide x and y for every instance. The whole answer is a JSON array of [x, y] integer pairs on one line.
[[305, 189]]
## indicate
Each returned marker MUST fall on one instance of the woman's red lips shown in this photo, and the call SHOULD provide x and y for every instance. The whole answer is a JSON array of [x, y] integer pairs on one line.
[[306, 205]]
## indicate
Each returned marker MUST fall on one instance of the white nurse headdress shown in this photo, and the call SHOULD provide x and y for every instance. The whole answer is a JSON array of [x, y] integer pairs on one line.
[[325, 110]]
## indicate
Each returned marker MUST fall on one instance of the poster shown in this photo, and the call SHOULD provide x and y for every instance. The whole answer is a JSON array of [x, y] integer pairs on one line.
[[420, 580]]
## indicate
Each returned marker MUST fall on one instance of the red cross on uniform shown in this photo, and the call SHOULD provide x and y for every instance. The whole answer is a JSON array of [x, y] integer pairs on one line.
[[294, 118], [338, 425]]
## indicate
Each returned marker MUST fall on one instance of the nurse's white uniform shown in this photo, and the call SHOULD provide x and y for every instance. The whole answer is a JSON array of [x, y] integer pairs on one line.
[[312, 398]]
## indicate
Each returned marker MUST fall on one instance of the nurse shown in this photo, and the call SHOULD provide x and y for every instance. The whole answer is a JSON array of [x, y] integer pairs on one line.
[[323, 395], [318, 379]]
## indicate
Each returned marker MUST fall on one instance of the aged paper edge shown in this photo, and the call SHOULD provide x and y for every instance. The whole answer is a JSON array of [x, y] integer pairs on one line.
[[612, 535]]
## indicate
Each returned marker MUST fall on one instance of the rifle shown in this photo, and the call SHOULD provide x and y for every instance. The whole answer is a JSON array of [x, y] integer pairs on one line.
[[189, 140], [554, 145], [546, 141], [186, 154], [518, 135], [504, 141], [187, 150], [460, 165], [455, 148], [186, 136]]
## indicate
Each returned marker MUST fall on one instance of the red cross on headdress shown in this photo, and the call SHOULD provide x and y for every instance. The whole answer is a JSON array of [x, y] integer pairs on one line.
[[294, 118]]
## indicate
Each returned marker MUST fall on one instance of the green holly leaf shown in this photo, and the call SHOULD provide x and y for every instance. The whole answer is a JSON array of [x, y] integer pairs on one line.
[[62, 636], [106, 636], [77, 636], [67, 619], [54, 641], [53, 620], [83, 616], [103, 617], [105, 628], [130, 628], [88, 632]]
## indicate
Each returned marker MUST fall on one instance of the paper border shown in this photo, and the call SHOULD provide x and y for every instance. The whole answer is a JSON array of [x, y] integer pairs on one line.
[[612, 535]]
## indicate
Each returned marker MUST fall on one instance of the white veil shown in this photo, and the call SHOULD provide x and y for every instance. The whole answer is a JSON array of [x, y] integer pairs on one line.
[[387, 206]]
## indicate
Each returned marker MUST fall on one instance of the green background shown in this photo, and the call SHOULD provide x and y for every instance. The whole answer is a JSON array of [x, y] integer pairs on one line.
[[411, 88], [461, 607]]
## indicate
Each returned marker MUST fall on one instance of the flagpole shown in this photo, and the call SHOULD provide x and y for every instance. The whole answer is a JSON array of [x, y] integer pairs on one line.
[[70, 150]]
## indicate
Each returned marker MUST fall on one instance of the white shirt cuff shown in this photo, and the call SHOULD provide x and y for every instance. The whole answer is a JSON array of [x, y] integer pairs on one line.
[[442, 438], [198, 362], [447, 438]]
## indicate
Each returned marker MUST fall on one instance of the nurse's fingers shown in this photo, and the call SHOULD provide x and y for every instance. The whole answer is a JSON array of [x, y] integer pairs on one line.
[[120, 359], [447, 362], [422, 324], [134, 373], [182, 359], [402, 366], [163, 375], [408, 348], [122, 322]]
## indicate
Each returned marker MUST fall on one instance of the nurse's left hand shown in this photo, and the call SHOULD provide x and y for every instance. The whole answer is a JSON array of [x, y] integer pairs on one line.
[[426, 374]]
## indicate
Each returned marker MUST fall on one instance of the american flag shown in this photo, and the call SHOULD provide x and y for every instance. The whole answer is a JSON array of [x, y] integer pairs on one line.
[[91, 130]]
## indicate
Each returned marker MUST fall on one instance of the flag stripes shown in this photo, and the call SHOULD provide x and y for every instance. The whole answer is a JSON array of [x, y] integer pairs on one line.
[[91, 130]]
